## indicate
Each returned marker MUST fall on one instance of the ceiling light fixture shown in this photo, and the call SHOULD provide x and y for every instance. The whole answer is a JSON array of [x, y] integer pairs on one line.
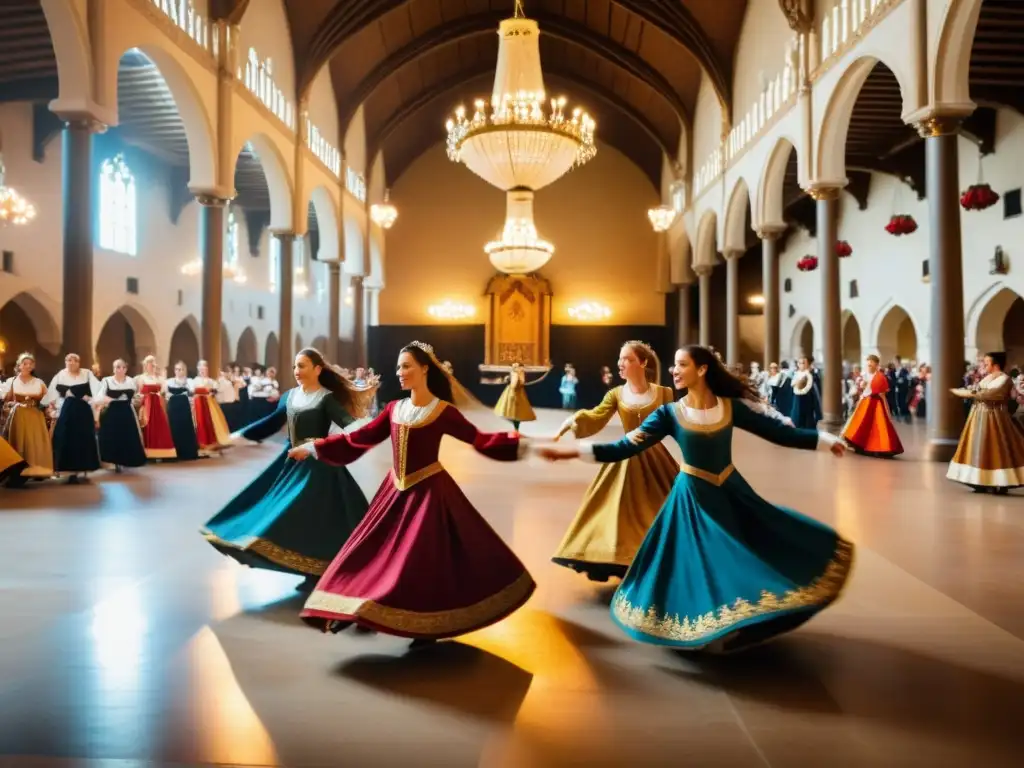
[[662, 218], [384, 214], [14, 209], [449, 310], [589, 312]]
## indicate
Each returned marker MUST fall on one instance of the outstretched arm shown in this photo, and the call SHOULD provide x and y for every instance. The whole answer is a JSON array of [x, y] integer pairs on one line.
[[500, 446], [269, 425], [746, 417], [346, 447], [585, 423], [654, 429]]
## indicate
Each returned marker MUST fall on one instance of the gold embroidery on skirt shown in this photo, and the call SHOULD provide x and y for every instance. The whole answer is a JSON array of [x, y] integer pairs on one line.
[[710, 477], [433, 623], [275, 554], [823, 590]]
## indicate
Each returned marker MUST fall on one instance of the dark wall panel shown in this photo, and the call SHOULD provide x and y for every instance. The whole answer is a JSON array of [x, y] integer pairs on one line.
[[587, 347]]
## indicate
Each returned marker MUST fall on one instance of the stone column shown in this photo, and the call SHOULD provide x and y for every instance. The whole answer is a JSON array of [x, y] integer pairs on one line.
[[211, 244], [286, 298], [333, 309], [831, 308], [704, 298], [684, 335], [945, 412], [770, 289], [732, 306], [358, 321], [79, 237]]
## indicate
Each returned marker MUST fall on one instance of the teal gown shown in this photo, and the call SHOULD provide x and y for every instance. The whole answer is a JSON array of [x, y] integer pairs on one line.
[[721, 568], [296, 515]]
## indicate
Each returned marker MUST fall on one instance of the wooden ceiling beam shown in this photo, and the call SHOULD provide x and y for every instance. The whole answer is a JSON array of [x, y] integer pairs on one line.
[[348, 17], [554, 26]]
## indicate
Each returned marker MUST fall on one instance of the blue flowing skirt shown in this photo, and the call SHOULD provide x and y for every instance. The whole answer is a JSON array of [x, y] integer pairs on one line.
[[294, 517], [722, 567], [74, 438]]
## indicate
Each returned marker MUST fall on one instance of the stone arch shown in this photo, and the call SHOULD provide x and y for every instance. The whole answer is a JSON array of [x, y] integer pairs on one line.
[[801, 342], [950, 72], [770, 188], [853, 347], [320, 345], [70, 49], [830, 165], [271, 350], [225, 347], [707, 247], [184, 344], [279, 184], [202, 142], [986, 319], [326, 223], [128, 334], [734, 229], [247, 352], [32, 304], [895, 333]]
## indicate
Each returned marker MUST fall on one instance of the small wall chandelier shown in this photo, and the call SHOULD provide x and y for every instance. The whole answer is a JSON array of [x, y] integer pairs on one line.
[[662, 217], [384, 214], [449, 310], [14, 209], [231, 272], [589, 312]]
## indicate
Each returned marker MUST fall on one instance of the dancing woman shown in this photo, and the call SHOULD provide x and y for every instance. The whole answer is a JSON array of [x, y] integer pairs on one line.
[[23, 422], [721, 568], [870, 429], [423, 563], [514, 405], [74, 434], [624, 498], [990, 456], [295, 516], [120, 438], [806, 408]]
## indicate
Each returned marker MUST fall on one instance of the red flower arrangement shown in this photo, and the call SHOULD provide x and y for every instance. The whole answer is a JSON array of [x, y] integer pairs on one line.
[[807, 264], [978, 197], [843, 249], [901, 224]]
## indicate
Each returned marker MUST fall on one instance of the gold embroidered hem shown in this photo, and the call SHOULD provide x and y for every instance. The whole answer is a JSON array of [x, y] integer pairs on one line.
[[710, 477], [1010, 477], [437, 623], [408, 481], [825, 589], [273, 553], [161, 453]]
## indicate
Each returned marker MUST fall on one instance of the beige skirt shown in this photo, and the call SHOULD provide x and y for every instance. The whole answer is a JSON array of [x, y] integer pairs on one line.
[[26, 431], [991, 449]]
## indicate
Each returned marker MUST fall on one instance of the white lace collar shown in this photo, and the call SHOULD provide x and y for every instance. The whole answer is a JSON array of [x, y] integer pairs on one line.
[[711, 415], [407, 413], [631, 398]]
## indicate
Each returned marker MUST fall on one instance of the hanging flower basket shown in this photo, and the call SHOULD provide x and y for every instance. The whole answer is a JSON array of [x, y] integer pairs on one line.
[[978, 197], [901, 224], [844, 250], [807, 264]]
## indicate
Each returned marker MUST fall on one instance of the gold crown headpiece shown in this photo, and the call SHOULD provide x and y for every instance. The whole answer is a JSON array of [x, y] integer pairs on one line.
[[423, 345]]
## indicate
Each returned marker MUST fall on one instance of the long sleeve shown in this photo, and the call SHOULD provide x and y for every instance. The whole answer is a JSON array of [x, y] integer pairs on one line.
[[52, 395], [346, 447], [749, 420], [336, 412], [270, 424], [94, 384], [655, 428], [585, 423], [500, 446]]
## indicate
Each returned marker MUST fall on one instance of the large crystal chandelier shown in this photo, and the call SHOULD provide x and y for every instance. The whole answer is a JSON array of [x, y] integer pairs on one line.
[[520, 143], [14, 209], [662, 218], [384, 214]]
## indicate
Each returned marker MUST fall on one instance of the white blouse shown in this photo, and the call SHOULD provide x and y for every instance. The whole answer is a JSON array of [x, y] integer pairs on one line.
[[33, 387], [633, 400], [109, 382], [84, 376], [407, 413], [202, 382]]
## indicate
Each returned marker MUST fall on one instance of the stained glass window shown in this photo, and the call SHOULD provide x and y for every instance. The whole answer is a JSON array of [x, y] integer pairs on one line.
[[118, 213]]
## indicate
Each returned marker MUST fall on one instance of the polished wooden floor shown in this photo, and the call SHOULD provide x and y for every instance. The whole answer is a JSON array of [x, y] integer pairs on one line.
[[126, 640]]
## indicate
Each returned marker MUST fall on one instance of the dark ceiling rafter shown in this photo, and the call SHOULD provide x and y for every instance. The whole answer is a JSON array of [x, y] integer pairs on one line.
[[553, 26], [409, 109], [230, 11], [670, 16]]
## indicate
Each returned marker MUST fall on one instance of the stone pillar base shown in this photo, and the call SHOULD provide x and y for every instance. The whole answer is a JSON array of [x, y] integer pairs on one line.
[[940, 449], [831, 424]]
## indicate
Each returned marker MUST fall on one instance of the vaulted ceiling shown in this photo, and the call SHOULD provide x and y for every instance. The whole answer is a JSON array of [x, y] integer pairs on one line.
[[633, 64]]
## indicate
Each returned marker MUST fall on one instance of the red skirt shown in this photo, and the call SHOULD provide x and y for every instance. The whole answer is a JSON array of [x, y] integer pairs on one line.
[[156, 434], [206, 435], [423, 563], [870, 429]]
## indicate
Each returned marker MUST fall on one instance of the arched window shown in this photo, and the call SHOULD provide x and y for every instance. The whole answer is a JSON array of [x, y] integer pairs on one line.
[[275, 262], [232, 260], [117, 206]]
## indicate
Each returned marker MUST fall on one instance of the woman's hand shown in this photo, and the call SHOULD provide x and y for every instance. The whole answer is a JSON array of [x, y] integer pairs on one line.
[[298, 454], [838, 449], [558, 452]]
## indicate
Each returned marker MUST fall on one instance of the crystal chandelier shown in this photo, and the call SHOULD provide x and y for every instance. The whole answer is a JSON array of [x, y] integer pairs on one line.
[[195, 267], [384, 214], [14, 209], [449, 310], [519, 250], [662, 217], [521, 142], [589, 311]]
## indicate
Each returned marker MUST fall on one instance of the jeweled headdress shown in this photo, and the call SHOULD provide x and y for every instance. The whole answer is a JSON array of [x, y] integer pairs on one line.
[[461, 396]]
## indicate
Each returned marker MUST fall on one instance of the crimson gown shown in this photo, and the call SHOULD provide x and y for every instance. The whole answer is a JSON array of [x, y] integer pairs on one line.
[[156, 429], [870, 429], [423, 563]]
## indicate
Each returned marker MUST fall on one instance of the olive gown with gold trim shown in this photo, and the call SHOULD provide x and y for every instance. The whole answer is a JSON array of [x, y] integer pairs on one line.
[[624, 498], [721, 568], [513, 404], [295, 515], [990, 454]]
